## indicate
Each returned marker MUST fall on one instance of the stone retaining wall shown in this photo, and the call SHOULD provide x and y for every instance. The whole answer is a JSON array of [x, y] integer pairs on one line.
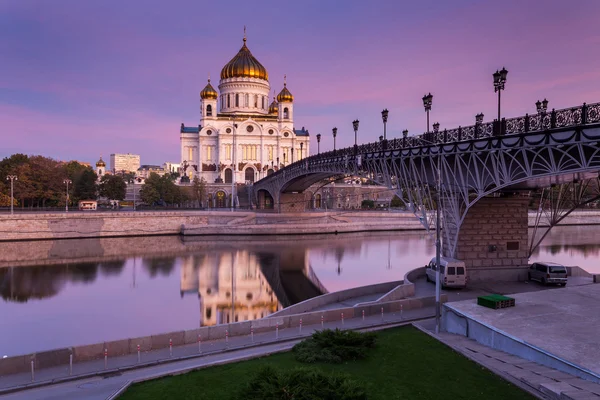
[[52, 358], [24, 226]]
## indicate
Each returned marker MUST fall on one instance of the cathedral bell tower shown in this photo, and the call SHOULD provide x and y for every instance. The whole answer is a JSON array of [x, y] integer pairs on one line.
[[208, 103]]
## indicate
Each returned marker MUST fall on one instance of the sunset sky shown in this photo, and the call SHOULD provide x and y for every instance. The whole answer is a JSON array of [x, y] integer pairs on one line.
[[80, 79]]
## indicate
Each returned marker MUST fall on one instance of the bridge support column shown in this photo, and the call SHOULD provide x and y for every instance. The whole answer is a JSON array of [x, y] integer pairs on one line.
[[292, 202], [493, 239]]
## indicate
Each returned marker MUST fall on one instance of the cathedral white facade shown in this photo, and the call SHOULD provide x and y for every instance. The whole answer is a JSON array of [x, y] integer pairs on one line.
[[241, 137]]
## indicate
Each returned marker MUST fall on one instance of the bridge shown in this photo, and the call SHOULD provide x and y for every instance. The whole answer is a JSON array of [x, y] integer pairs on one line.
[[478, 174]]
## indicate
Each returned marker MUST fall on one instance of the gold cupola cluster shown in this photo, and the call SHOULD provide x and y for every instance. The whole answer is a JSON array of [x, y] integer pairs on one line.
[[285, 94], [100, 163], [244, 65], [209, 92], [274, 107]]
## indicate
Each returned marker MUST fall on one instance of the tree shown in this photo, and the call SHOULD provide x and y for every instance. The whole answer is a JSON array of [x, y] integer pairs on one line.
[[149, 194], [198, 190], [112, 187], [84, 185], [160, 190]]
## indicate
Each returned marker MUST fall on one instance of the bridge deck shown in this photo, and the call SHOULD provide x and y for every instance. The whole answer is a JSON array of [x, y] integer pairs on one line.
[[563, 322]]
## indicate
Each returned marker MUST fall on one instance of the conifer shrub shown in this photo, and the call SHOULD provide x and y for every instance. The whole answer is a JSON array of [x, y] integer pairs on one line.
[[300, 384], [335, 346]]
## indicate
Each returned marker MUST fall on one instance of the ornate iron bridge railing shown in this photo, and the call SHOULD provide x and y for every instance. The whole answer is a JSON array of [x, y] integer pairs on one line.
[[473, 161], [574, 116]]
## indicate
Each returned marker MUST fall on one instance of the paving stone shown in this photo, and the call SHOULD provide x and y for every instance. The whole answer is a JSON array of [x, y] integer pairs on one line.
[[588, 386], [577, 395], [535, 367], [535, 381], [558, 375], [554, 389]]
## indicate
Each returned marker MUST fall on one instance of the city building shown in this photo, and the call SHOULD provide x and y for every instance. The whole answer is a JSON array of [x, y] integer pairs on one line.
[[124, 162], [241, 137], [144, 171], [172, 168]]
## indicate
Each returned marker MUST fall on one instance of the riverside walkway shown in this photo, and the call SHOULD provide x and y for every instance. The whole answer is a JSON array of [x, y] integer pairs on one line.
[[90, 380]]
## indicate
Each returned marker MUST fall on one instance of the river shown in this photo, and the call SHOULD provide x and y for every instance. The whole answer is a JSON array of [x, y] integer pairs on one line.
[[72, 292]]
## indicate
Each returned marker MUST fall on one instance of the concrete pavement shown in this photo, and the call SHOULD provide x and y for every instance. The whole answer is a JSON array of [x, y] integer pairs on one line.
[[91, 381]]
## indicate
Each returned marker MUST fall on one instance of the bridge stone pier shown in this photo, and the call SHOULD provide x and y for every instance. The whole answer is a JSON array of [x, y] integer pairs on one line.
[[493, 239], [292, 202]]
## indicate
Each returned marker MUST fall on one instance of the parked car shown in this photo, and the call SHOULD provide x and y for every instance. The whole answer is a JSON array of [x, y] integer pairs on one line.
[[453, 272], [548, 272]]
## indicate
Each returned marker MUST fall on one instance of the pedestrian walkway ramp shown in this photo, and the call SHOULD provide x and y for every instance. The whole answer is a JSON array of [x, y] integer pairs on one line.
[[557, 328]]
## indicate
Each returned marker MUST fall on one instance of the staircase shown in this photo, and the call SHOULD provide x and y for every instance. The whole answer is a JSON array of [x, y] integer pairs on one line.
[[244, 194]]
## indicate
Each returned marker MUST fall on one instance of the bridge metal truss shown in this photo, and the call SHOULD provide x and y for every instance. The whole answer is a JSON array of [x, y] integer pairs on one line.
[[471, 166]]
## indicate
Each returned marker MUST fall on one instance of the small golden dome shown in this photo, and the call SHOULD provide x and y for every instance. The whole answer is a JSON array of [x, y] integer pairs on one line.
[[274, 107], [209, 92], [100, 163], [285, 94], [244, 65]]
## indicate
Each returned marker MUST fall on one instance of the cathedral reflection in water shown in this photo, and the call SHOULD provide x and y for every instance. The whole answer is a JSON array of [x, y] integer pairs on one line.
[[230, 287]]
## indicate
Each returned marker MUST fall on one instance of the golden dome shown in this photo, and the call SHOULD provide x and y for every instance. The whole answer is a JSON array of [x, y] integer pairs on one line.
[[274, 107], [285, 94], [100, 163], [244, 65], [208, 92]]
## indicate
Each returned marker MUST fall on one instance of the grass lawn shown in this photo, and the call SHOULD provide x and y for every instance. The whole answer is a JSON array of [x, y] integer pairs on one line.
[[406, 364]]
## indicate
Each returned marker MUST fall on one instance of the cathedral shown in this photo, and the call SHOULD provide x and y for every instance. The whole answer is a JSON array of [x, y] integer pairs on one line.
[[241, 137]]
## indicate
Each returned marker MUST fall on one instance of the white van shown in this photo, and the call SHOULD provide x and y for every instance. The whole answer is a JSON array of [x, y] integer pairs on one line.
[[453, 272]]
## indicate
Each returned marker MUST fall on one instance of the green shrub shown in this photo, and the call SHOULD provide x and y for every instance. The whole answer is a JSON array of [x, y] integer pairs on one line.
[[334, 346], [300, 384], [367, 204]]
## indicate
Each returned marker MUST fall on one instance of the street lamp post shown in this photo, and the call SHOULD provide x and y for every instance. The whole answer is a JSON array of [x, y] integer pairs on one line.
[[233, 167], [355, 126], [427, 100], [318, 143], [67, 182], [334, 130], [12, 178], [384, 116], [438, 244], [499, 81], [438, 285], [301, 146]]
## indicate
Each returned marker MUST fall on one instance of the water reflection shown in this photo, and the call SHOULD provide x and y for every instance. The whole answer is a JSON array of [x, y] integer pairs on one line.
[[64, 293]]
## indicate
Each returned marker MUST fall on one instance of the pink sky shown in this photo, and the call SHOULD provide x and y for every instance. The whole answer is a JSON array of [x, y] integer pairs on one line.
[[84, 79]]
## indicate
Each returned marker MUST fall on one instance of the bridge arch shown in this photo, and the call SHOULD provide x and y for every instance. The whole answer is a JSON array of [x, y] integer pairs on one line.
[[265, 200]]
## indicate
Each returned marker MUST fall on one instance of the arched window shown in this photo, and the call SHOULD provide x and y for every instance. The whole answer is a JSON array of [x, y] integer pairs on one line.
[[269, 171], [222, 101], [318, 201], [247, 102], [263, 102], [228, 176], [255, 101], [209, 110], [237, 100], [286, 113], [228, 101], [249, 175]]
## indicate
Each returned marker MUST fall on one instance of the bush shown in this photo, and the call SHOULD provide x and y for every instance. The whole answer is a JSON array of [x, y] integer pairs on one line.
[[300, 384], [334, 346], [367, 204]]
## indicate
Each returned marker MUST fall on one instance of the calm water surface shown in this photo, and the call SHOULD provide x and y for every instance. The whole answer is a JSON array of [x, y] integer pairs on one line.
[[70, 292]]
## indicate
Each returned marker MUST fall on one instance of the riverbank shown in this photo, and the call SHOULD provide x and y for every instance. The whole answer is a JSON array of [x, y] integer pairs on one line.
[[44, 226], [190, 223]]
